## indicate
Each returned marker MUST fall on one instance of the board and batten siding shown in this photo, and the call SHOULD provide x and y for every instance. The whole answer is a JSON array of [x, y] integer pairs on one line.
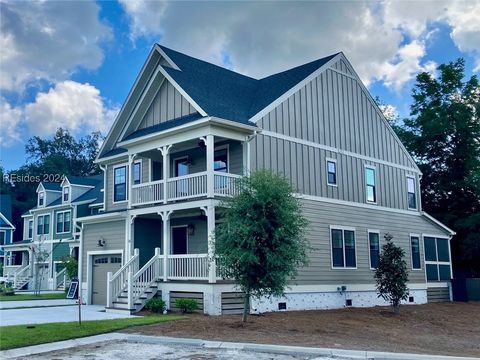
[[112, 232], [168, 104], [322, 215]]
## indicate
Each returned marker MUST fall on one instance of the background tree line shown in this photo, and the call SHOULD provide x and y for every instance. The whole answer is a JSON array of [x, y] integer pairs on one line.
[[442, 134]]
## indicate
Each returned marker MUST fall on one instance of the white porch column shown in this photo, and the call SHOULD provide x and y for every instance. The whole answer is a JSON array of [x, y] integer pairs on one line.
[[210, 146], [165, 150], [129, 236], [131, 158], [212, 266], [166, 240]]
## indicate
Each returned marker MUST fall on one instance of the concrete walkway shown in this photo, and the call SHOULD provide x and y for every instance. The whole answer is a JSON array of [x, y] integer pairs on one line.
[[127, 346], [55, 314], [35, 303]]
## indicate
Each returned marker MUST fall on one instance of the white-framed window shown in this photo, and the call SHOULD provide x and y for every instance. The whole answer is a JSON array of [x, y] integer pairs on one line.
[[411, 192], [66, 193], [41, 199], [437, 258], [64, 221], [371, 184], [343, 247], [374, 247], [415, 251], [43, 224], [119, 183], [30, 229], [332, 172], [220, 159], [137, 172], [3, 237]]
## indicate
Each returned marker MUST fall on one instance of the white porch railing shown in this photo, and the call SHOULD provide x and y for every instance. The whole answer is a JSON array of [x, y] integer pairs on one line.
[[187, 186], [20, 275], [188, 266], [147, 193], [61, 278], [116, 283], [10, 270], [144, 278], [226, 184]]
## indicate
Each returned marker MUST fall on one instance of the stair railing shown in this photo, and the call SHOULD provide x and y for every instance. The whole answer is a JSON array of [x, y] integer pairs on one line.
[[61, 278], [19, 274], [116, 283]]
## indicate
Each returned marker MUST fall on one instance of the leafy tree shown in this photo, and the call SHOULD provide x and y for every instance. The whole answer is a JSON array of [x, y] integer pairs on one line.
[[443, 134], [71, 266], [391, 274], [261, 242]]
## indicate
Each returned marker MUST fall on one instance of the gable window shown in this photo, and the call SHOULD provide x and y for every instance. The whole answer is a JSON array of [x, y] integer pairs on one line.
[[220, 160], [41, 198], [415, 246], [137, 172], [437, 258], [43, 225], [66, 193], [30, 229], [412, 193], [120, 183], [370, 182], [3, 234], [63, 222], [374, 247], [343, 247], [332, 172]]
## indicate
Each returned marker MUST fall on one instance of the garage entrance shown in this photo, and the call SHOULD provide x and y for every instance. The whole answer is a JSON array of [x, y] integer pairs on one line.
[[101, 265]]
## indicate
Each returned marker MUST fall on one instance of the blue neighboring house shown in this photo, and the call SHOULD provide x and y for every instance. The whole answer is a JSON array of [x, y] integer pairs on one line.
[[6, 226]]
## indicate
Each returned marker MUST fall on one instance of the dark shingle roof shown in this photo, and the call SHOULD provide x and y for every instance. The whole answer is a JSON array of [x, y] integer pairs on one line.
[[113, 152], [95, 194], [51, 186], [88, 180]]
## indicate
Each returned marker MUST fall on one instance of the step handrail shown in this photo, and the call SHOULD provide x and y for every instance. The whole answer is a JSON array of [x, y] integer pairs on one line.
[[18, 274], [140, 281], [116, 282], [62, 274]]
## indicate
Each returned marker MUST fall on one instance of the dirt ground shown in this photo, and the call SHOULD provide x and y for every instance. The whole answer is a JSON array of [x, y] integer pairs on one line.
[[443, 328]]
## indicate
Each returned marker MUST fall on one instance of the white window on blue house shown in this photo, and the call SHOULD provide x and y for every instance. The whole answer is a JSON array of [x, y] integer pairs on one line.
[[64, 220], [120, 183], [412, 193], [371, 184], [343, 247], [43, 225], [331, 172], [374, 248]]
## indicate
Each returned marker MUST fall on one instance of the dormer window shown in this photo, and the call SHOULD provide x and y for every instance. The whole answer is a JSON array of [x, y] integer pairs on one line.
[[41, 198], [66, 193]]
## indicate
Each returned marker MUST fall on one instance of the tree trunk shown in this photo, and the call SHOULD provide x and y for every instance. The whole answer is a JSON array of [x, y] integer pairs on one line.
[[246, 307]]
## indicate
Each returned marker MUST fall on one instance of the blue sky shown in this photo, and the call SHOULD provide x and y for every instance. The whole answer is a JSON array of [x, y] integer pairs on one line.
[[77, 71]]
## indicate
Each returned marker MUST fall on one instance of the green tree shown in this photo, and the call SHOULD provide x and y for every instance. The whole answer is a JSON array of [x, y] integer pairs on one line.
[[391, 274], [443, 134], [261, 242], [71, 266]]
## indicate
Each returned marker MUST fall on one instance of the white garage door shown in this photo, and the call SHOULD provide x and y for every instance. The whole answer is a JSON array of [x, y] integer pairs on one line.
[[101, 265]]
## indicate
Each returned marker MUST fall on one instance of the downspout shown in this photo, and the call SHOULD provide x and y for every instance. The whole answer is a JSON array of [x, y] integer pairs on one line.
[[104, 190]]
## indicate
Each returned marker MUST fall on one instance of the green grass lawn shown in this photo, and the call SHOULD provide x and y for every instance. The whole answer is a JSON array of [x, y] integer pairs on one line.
[[46, 296], [20, 336]]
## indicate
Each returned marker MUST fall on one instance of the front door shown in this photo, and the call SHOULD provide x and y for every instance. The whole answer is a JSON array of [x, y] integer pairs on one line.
[[101, 265], [179, 240]]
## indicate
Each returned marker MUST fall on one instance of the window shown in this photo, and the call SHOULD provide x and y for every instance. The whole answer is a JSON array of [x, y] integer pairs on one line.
[[415, 246], [41, 198], [115, 260], [43, 225], [63, 222], [343, 248], [412, 196], [437, 258], [374, 246], [2, 237], [137, 173], [370, 183], [66, 193], [30, 229], [120, 184], [220, 160], [103, 260], [332, 172]]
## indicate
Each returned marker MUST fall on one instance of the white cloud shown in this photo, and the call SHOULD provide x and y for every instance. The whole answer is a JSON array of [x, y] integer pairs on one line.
[[70, 105], [48, 40], [384, 41], [10, 118]]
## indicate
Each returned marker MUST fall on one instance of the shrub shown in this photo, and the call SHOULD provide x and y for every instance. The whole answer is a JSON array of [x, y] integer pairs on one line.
[[156, 305], [186, 305]]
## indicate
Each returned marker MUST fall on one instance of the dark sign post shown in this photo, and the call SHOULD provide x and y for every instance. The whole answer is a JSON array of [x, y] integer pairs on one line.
[[73, 291]]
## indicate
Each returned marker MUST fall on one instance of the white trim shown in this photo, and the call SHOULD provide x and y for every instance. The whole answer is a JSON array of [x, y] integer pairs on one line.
[[44, 198], [139, 161], [419, 252], [293, 90], [69, 194], [171, 237], [327, 160], [167, 58], [375, 188], [3, 217], [343, 228], [408, 176], [56, 221], [28, 229], [445, 227], [116, 166], [429, 262], [336, 150], [150, 169], [372, 231], [90, 255]]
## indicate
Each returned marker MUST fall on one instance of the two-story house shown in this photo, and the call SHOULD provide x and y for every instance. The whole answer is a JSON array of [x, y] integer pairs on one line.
[[50, 233], [6, 229], [188, 129]]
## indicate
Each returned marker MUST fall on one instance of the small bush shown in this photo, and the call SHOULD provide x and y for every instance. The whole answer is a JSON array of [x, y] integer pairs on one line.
[[186, 305], [156, 305]]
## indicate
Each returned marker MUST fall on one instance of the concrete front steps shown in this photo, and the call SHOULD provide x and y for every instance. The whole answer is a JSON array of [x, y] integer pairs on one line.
[[120, 305]]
